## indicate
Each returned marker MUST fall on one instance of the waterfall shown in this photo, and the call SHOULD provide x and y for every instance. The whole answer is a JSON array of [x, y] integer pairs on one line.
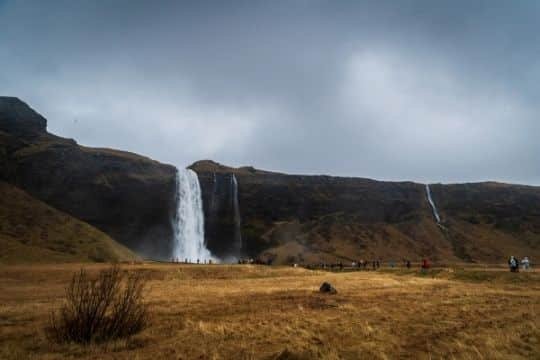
[[432, 203], [214, 194], [237, 222], [189, 219]]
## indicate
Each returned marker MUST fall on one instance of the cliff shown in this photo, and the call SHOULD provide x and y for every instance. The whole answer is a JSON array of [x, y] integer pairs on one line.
[[129, 197], [322, 218], [285, 218]]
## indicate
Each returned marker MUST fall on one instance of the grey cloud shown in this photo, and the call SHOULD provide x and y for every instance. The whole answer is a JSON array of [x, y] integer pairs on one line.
[[414, 90]]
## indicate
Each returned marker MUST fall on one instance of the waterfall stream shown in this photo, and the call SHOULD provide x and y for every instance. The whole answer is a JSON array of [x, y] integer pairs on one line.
[[432, 203], [189, 220], [237, 219]]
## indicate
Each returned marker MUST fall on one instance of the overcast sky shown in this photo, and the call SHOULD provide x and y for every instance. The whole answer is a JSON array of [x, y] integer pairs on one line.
[[438, 91]]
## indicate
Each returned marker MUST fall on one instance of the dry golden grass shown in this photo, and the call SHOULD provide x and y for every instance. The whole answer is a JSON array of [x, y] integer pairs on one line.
[[252, 312], [33, 232]]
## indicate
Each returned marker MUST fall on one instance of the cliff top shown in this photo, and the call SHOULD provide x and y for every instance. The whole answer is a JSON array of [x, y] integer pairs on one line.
[[17, 118], [215, 167]]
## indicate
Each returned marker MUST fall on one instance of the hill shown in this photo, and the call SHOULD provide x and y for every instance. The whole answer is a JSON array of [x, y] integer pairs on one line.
[[284, 218], [129, 197], [296, 218], [31, 231]]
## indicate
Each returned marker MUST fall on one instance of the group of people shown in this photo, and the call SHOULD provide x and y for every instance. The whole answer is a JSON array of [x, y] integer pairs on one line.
[[361, 264], [256, 261], [514, 262], [188, 261], [366, 265]]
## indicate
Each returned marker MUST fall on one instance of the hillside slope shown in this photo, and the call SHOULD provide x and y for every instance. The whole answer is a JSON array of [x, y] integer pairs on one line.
[[323, 218], [129, 197], [31, 231]]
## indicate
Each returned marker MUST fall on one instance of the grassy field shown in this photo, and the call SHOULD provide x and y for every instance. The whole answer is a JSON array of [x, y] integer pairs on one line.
[[257, 312]]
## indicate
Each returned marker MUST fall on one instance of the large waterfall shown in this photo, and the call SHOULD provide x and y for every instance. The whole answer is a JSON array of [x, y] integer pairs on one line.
[[189, 220], [237, 222], [432, 203]]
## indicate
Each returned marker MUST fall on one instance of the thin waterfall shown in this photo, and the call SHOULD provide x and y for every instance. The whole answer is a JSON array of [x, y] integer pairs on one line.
[[432, 203], [237, 220], [189, 220], [214, 194]]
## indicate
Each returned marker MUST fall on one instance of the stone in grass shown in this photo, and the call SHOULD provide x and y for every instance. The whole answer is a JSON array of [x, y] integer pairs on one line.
[[327, 288]]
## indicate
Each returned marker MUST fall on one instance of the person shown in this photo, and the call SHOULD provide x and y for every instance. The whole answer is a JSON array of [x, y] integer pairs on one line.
[[425, 265], [525, 263], [408, 264], [512, 263]]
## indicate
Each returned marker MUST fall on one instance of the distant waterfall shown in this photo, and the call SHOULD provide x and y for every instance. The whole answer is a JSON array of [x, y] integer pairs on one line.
[[214, 194], [189, 219], [432, 203], [237, 220]]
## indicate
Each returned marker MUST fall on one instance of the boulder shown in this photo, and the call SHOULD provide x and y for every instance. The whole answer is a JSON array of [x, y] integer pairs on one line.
[[327, 288]]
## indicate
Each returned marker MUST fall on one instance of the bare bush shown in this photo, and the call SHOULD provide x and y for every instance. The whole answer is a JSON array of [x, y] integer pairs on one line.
[[96, 310]]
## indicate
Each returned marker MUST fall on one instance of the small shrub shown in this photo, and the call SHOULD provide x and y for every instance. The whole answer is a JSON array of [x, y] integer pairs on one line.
[[96, 310]]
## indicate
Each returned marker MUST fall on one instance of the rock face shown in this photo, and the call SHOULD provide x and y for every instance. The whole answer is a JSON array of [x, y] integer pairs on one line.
[[490, 220], [294, 218], [129, 197], [19, 119]]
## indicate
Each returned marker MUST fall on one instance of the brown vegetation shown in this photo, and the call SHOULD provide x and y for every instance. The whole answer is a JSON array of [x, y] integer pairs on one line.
[[257, 312], [32, 232], [106, 308]]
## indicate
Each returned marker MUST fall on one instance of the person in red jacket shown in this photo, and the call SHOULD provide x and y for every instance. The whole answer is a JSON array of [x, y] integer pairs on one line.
[[425, 265]]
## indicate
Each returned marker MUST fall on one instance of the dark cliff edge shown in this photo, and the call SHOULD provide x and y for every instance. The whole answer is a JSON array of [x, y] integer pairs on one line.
[[296, 218], [129, 197]]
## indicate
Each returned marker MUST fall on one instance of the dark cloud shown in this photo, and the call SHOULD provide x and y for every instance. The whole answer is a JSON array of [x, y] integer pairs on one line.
[[419, 90]]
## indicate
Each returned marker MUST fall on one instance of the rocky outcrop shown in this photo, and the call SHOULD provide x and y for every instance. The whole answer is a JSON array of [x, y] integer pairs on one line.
[[129, 197], [18, 119]]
